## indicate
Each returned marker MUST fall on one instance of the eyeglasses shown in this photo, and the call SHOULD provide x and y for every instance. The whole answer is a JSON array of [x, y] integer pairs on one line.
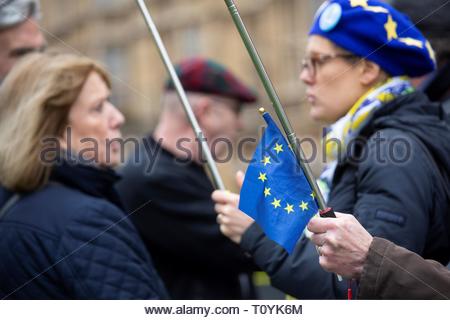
[[312, 63]]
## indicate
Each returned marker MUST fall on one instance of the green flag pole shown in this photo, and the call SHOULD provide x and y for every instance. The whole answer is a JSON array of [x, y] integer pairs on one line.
[[217, 180], [268, 86]]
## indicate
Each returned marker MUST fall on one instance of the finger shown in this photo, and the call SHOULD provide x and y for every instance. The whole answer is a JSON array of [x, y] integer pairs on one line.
[[228, 232], [239, 219], [224, 229], [221, 196], [224, 220], [326, 250], [321, 225], [325, 263], [220, 208], [240, 178], [318, 238], [318, 251]]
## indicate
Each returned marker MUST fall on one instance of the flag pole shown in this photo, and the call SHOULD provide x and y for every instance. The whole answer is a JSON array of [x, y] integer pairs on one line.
[[290, 134], [217, 180]]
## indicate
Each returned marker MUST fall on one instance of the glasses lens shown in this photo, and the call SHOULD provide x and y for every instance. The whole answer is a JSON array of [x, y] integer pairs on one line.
[[308, 64]]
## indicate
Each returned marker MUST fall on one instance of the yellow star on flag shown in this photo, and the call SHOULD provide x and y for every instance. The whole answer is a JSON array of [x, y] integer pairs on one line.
[[356, 3], [276, 203], [289, 208], [267, 192], [262, 177], [313, 195], [266, 161], [278, 148], [304, 206], [391, 28]]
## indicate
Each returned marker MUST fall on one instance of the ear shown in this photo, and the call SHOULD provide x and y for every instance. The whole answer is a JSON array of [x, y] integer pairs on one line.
[[65, 136], [370, 73], [202, 110]]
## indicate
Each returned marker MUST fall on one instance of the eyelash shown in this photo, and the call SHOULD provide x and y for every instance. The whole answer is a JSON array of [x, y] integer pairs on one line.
[[99, 108]]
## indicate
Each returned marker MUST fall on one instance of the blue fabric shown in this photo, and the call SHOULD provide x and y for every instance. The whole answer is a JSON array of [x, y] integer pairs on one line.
[[376, 31], [276, 192], [70, 240]]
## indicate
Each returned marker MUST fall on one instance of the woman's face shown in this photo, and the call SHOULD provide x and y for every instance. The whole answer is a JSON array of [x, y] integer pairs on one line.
[[332, 84], [94, 124]]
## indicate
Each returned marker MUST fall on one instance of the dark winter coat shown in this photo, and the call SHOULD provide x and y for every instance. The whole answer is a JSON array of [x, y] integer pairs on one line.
[[72, 240], [179, 226], [396, 183]]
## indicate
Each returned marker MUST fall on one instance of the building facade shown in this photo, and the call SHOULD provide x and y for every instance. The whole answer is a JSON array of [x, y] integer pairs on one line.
[[114, 32]]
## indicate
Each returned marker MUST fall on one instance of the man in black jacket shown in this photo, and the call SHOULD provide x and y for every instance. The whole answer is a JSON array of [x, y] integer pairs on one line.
[[179, 225]]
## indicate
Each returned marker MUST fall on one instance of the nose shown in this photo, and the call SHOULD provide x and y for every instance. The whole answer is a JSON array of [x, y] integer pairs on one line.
[[305, 76], [117, 119]]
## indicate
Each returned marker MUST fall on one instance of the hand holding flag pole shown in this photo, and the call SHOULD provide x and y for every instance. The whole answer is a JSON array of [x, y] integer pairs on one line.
[[217, 180]]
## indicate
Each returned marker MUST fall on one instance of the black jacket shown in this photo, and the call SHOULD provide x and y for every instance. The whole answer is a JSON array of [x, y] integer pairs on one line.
[[406, 202], [71, 240], [179, 226]]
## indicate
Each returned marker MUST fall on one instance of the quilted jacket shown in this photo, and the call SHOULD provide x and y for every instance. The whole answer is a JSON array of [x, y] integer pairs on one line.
[[72, 240]]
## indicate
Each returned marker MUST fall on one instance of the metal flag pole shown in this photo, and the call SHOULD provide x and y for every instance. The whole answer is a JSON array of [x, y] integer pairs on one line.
[[182, 94], [290, 134]]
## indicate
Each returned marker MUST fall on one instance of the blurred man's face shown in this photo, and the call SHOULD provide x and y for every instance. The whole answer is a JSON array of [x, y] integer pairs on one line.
[[221, 123], [17, 41]]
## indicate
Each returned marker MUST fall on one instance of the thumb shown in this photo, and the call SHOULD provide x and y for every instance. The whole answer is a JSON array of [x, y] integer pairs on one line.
[[240, 178]]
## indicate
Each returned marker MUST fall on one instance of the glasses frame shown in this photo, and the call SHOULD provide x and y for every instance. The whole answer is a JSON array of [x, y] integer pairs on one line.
[[311, 64]]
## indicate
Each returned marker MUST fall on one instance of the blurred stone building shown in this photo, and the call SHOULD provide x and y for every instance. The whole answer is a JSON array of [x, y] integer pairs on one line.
[[114, 32]]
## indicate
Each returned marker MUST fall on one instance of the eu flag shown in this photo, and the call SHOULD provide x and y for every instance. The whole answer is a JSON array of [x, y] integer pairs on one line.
[[276, 193]]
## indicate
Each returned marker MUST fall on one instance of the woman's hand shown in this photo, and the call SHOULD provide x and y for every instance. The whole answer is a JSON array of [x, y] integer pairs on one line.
[[233, 222]]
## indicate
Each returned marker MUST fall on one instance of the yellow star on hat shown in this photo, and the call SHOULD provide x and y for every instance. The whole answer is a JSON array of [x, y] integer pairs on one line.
[[411, 42], [391, 28], [361, 3], [431, 51]]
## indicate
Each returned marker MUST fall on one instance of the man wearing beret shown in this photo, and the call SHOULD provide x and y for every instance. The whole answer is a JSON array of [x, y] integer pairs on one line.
[[19, 32], [387, 148], [179, 225]]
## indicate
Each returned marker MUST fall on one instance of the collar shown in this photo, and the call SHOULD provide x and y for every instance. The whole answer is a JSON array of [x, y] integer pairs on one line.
[[94, 181]]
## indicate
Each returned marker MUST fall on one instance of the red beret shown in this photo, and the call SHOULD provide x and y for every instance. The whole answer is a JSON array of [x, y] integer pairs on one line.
[[207, 76]]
